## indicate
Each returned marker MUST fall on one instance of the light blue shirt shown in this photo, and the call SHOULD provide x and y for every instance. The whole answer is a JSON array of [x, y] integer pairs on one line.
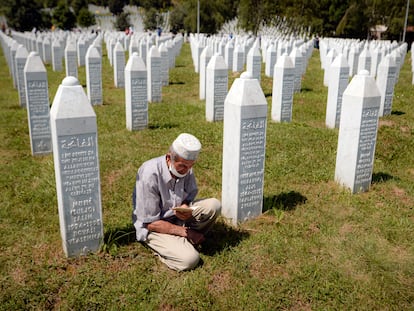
[[156, 192]]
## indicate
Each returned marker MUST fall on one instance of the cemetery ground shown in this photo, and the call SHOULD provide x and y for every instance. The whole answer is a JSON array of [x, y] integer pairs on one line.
[[316, 246]]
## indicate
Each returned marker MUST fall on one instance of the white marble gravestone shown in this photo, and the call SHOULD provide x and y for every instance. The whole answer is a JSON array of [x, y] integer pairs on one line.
[[297, 59], [238, 58], [282, 92], [358, 133], [204, 60], [136, 94], [57, 55], [386, 77], [47, 50], [119, 65], [165, 59], [216, 87], [154, 75], [328, 61], [228, 54], [364, 60], [21, 58], [76, 161], [71, 62], [254, 62], [93, 61], [339, 76], [37, 101], [271, 54], [244, 140]]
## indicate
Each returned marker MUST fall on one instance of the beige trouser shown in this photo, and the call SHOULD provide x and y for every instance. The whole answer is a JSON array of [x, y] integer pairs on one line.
[[177, 252]]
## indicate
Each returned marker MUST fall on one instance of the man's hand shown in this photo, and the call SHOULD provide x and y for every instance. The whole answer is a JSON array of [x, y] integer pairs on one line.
[[184, 214], [195, 237]]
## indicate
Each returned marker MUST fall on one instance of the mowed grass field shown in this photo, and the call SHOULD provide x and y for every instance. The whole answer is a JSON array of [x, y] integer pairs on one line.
[[315, 247]]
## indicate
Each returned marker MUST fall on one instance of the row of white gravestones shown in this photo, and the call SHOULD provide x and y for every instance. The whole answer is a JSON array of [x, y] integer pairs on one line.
[[76, 161]]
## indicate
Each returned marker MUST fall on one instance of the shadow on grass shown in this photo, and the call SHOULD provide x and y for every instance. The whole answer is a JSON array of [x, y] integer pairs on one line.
[[381, 177], [222, 236], [398, 113], [175, 82], [286, 201], [267, 94], [306, 89], [119, 237], [156, 126]]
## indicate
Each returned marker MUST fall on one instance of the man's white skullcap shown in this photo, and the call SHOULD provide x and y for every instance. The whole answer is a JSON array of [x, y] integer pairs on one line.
[[187, 146]]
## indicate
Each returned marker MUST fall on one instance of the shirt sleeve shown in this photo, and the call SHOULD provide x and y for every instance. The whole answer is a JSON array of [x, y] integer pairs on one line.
[[147, 197]]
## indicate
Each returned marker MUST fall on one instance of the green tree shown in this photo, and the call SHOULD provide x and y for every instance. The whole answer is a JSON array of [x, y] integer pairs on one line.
[[151, 19], [116, 6], [122, 21], [78, 5], [22, 15], [63, 17], [85, 18]]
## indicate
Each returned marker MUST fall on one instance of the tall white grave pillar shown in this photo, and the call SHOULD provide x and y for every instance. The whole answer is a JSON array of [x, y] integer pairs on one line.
[[204, 59], [119, 65], [364, 60], [328, 61], [339, 77], [254, 62], [386, 77], [154, 75], [75, 155], [358, 133], [71, 62], [21, 58], [57, 55], [165, 59], [216, 88], [37, 100], [228, 54], [297, 59], [244, 140], [238, 58], [136, 94], [270, 60], [282, 93], [93, 61]]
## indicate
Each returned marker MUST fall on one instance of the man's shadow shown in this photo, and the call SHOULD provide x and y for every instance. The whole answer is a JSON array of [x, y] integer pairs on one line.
[[220, 237]]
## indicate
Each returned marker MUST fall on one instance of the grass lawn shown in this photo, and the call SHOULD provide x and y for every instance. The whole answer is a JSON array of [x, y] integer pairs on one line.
[[315, 247]]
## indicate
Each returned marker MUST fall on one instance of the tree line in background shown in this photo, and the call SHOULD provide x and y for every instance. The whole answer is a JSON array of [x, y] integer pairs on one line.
[[337, 18]]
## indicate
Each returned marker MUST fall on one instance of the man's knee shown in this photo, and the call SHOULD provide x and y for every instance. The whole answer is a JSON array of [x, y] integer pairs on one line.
[[185, 262]]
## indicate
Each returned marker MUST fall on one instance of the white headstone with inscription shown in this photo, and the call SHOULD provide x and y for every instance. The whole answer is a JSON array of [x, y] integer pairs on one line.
[[154, 75], [93, 61], [216, 88], [71, 62], [254, 62], [76, 161], [358, 133], [386, 77], [119, 65], [136, 94], [282, 92], [244, 140], [271, 54], [165, 58], [238, 58], [57, 56], [21, 58], [204, 59], [37, 101], [339, 76]]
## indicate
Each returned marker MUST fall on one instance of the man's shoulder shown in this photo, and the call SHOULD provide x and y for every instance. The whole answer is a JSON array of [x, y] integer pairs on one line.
[[152, 166]]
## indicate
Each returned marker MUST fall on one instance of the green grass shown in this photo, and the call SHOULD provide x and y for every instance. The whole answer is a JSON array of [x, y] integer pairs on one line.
[[316, 246]]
